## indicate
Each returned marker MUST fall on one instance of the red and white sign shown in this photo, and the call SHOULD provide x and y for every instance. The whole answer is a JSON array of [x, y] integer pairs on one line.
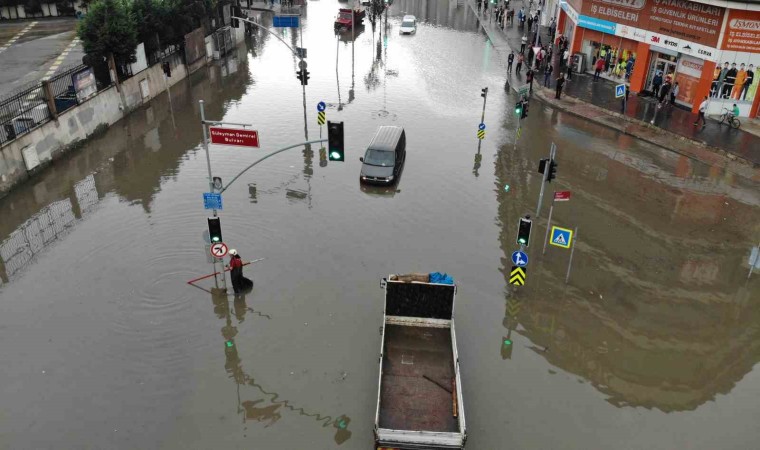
[[219, 250], [562, 196], [234, 136]]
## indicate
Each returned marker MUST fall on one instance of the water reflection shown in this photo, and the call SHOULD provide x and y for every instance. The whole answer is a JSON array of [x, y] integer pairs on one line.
[[658, 313], [268, 408]]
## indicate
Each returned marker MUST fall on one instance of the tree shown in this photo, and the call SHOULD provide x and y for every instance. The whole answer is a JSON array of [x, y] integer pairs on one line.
[[109, 27]]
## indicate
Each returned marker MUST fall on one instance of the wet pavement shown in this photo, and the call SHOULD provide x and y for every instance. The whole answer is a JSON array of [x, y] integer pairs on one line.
[[674, 119], [651, 344]]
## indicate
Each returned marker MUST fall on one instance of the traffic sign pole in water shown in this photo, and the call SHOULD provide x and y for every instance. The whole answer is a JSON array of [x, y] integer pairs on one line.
[[572, 251], [552, 153], [210, 182], [548, 224]]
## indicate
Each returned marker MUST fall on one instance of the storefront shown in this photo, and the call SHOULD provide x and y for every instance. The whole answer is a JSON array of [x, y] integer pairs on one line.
[[680, 39]]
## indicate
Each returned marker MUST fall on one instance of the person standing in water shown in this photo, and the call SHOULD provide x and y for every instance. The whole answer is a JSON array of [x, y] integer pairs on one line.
[[240, 284]]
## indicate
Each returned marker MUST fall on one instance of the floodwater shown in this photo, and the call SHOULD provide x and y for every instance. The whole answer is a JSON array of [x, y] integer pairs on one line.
[[653, 343]]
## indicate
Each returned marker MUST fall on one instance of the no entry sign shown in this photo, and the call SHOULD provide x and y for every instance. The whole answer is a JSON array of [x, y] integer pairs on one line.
[[234, 136], [219, 250]]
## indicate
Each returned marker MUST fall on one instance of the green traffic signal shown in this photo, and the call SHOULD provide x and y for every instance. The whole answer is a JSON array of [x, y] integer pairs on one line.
[[507, 342], [518, 108], [230, 344], [214, 229]]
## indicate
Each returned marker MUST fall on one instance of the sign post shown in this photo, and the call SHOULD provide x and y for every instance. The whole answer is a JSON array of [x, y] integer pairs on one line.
[[572, 251], [545, 176], [561, 196]]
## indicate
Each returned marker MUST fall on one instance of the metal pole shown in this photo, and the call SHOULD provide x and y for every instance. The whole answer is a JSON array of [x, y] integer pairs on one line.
[[483, 115], [572, 250], [210, 177], [753, 262], [548, 225], [543, 180], [303, 84]]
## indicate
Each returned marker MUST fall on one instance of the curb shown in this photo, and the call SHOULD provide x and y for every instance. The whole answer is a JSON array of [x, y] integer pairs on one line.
[[539, 93]]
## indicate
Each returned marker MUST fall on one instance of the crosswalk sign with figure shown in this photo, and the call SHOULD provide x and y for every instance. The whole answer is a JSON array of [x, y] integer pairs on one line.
[[561, 237]]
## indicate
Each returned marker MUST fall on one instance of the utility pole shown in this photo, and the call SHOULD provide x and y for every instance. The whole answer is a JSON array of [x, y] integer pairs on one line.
[[544, 178]]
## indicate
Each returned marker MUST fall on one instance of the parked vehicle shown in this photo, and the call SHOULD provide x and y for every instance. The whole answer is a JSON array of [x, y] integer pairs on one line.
[[347, 17], [419, 399], [385, 156], [408, 25]]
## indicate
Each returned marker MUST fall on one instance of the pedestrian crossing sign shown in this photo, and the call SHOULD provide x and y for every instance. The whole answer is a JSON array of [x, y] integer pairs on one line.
[[561, 237], [619, 91]]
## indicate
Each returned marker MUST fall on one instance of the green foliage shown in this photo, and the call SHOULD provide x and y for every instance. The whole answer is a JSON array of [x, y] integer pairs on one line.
[[109, 27]]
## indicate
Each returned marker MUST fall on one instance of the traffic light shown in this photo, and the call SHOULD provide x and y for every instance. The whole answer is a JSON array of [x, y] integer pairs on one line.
[[523, 231], [215, 229], [552, 171], [524, 109], [484, 92], [519, 108], [335, 141], [542, 165], [303, 77], [506, 348]]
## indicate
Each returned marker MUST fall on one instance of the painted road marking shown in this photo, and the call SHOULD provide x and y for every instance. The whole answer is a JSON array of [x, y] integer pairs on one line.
[[59, 60], [17, 36]]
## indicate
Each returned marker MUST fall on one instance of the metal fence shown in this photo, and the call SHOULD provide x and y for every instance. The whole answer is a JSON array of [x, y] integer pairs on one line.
[[27, 108]]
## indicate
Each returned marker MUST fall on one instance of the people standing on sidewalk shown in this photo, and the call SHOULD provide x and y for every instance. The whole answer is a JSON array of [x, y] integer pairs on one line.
[[569, 71], [656, 83], [510, 60], [523, 43], [598, 67], [529, 79], [560, 83], [530, 56], [547, 73], [664, 90], [701, 116], [674, 93], [565, 57], [520, 59], [552, 28], [530, 23]]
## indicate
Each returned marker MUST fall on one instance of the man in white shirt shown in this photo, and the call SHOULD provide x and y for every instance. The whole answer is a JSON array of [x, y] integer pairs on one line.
[[702, 109]]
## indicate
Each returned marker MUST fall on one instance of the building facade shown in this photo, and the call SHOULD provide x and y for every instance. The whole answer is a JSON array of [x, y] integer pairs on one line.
[[710, 48]]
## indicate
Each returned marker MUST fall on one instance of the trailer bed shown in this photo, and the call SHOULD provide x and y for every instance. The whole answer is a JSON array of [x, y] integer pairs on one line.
[[408, 399]]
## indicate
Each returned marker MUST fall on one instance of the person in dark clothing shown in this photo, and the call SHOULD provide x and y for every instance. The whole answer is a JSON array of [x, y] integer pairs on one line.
[[510, 60], [530, 22], [547, 74], [656, 83], [240, 284], [664, 91], [530, 56], [560, 83], [569, 70], [529, 79]]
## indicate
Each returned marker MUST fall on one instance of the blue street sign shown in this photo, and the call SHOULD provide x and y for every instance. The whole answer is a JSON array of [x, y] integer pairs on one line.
[[619, 90], [519, 259], [321, 106], [285, 22], [482, 126], [212, 200], [561, 237]]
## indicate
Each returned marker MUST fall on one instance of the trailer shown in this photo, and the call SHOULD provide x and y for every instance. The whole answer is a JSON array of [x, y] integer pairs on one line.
[[419, 399]]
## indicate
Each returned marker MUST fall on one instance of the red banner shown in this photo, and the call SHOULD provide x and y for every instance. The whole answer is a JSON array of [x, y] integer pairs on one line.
[[562, 196], [742, 31], [234, 136], [694, 22]]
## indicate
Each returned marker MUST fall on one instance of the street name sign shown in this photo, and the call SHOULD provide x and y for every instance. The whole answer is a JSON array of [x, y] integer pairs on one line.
[[562, 196], [234, 136], [619, 90], [561, 237], [285, 22], [212, 200], [219, 250], [519, 259]]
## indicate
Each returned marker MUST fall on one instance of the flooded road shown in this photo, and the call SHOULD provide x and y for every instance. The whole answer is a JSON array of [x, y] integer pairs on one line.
[[651, 344]]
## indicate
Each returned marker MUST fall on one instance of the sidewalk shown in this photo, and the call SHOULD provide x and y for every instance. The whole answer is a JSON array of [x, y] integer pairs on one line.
[[643, 119]]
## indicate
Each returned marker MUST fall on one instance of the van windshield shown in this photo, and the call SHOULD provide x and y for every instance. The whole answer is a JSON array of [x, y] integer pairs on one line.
[[379, 158]]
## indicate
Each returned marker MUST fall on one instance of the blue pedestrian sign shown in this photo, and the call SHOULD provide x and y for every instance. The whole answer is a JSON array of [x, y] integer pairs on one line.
[[619, 90], [212, 200], [482, 126], [520, 259], [561, 237], [321, 106]]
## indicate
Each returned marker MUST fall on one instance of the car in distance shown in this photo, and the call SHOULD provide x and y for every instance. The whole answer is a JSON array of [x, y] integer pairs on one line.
[[385, 156], [408, 25]]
